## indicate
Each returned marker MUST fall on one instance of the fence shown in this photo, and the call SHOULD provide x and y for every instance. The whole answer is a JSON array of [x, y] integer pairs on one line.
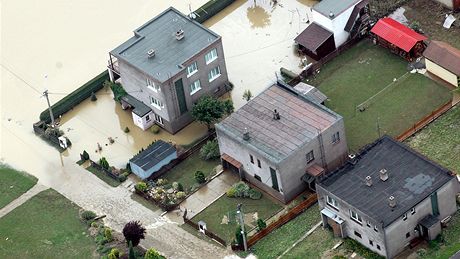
[[425, 121], [283, 219], [100, 168], [206, 232]]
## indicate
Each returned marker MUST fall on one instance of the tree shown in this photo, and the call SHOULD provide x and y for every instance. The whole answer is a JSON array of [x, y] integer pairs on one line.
[[152, 254], [134, 232], [85, 155], [103, 162], [261, 224], [131, 254], [209, 110], [199, 177], [239, 236], [210, 150], [247, 95]]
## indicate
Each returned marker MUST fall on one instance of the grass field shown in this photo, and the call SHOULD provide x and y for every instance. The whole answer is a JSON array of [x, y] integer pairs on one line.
[[362, 72], [46, 226], [214, 214], [13, 184], [184, 172], [314, 245], [440, 140], [103, 176]]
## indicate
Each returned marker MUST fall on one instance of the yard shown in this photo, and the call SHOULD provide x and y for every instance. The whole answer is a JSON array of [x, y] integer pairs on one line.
[[184, 172], [224, 210], [46, 226], [315, 245], [13, 184], [440, 140], [103, 176], [399, 99]]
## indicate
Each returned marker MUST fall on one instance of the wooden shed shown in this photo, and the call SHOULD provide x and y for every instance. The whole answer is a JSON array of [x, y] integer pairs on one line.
[[451, 4], [443, 61], [316, 41], [400, 39]]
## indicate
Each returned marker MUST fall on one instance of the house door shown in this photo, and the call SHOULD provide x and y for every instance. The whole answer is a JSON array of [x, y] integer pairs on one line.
[[423, 232], [180, 96], [434, 204]]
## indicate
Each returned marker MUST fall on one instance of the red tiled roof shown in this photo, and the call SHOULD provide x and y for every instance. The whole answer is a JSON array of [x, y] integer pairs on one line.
[[397, 34], [444, 55]]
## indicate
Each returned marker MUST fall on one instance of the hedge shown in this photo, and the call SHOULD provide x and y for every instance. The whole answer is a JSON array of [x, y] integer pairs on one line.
[[210, 9], [76, 97]]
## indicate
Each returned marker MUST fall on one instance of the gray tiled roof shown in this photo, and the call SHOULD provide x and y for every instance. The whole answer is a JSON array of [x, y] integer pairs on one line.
[[336, 7], [140, 109], [412, 178], [154, 154], [170, 54], [301, 119]]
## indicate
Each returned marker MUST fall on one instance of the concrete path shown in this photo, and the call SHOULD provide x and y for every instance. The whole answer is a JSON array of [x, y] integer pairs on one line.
[[208, 194], [22, 199]]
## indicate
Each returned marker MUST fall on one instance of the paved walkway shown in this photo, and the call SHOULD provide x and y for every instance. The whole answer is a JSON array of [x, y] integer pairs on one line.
[[22, 199]]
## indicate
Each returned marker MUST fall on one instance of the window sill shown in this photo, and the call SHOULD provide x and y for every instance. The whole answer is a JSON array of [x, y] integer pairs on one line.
[[214, 78], [333, 207], [153, 89], [193, 92], [156, 106], [210, 61], [336, 142], [191, 74], [357, 222]]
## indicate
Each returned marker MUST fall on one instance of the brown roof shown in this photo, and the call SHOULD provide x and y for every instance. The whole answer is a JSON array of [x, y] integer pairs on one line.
[[313, 36], [231, 160], [300, 121], [315, 170], [444, 55]]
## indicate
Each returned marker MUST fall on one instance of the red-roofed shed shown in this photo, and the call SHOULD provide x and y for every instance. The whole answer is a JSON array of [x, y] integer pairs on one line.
[[398, 38]]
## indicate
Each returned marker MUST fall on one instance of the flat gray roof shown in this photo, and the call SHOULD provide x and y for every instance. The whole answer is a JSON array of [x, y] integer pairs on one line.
[[300, 121], [159, 34], [411, 179], [336, 7]]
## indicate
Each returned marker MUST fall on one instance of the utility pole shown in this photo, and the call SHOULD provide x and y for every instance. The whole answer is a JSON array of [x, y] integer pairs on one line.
[[45, 93], [240, 215]]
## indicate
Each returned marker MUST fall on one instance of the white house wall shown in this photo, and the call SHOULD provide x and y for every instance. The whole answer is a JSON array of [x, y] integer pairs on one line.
[[142, 122], [441, 72]]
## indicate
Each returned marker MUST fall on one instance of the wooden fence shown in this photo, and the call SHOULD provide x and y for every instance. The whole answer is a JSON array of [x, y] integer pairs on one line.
[[207, 232], [425, 121], [294, 212]]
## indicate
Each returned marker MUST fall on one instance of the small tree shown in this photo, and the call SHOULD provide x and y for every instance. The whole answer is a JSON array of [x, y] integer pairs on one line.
[[134, 232], [210, 150], [239, 236], [152, 254], [85, 155], [247, 95], [209, 110], [141, 186], [114, 254], [103, 162], [108, 234], [93, 97], [261, 224], [199, 177]]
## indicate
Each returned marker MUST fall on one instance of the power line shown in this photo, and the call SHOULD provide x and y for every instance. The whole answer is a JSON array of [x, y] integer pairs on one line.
[[20, 78]]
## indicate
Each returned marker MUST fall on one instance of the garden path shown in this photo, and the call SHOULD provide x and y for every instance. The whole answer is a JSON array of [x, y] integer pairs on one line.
[[37, 188]]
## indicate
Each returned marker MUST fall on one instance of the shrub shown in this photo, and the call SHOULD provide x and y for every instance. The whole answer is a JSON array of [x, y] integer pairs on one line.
[[122, 177], [261, 224], [421, 252], [141, 186], [180, 195], [239, 236], [175, 186], [126, 130], [103, 162], [126, 174], [247, 95], [155, 129], [85, 155], [210, 150], [255, 195], [152, 254], [231, 192], [93, 97], [128, 168], [134, 232], [94, 224], [117, 89], [241, 189], [114, 254], [199, 177], [88, 215], [108, 234], [162, 181], [353, 245]]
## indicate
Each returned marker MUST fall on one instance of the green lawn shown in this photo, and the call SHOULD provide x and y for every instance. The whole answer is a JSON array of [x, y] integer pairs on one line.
[[13, 184], [363, 71], [451, 243], [214, 214], [314, 245], [440, 140], [184, 172], [46, 226], [103, 176], [275, 243]]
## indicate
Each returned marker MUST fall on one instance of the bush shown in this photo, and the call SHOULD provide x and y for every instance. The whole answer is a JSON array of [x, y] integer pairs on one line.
[[141, 186], [421, 252], [239, 236], [231, 192], [122, 177], [162, 181], [126, 130], [261, 224], [353, 245], [155, 129], [114, 254], [85, 155], [241, 189], [199, 177], [76, 97], [210, 150], [255, 195], [152, 254], [103, 162], [180, 195], [88, 215], [93, 97], [108, 234], [177, 186], [117, 89]]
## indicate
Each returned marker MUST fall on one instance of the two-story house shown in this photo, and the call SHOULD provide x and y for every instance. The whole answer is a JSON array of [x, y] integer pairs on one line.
[[281, 141], [387, 196], [334, 22], [168, 64]]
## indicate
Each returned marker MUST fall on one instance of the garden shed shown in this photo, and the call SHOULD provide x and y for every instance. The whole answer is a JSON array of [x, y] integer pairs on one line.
[[400, 39], [443, 61], [152, 159]]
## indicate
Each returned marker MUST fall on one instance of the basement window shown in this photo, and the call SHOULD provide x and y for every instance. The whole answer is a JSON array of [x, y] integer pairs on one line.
[[358, 234]]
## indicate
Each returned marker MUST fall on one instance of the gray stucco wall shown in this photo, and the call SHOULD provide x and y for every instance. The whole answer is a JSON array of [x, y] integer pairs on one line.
[[143, 174]]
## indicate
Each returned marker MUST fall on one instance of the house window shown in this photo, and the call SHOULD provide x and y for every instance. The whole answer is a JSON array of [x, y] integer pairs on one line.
[[332, 202], [378, 247], [335, 137], [192, 69], [210, 56], [368, 223], [407, 234], [355, 216], [371, 242], [376, 229], [258, 163], [195, 87], [158, 119], [358, 234], [147, 118], [152, 86], [156, 103], [404, 216], [310, 157], [412, 211], [213, 74], [251, 158], [258, 178]]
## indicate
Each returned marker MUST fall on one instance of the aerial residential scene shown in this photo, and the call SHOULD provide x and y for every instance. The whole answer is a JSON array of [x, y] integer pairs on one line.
[[230, 129]]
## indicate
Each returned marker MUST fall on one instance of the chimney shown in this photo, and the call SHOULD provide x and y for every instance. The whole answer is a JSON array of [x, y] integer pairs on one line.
[[151, 53], [369, 180], [179, 34], [246, 134], [352, 159], [276, 115], [392, 201], [383, 175]]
